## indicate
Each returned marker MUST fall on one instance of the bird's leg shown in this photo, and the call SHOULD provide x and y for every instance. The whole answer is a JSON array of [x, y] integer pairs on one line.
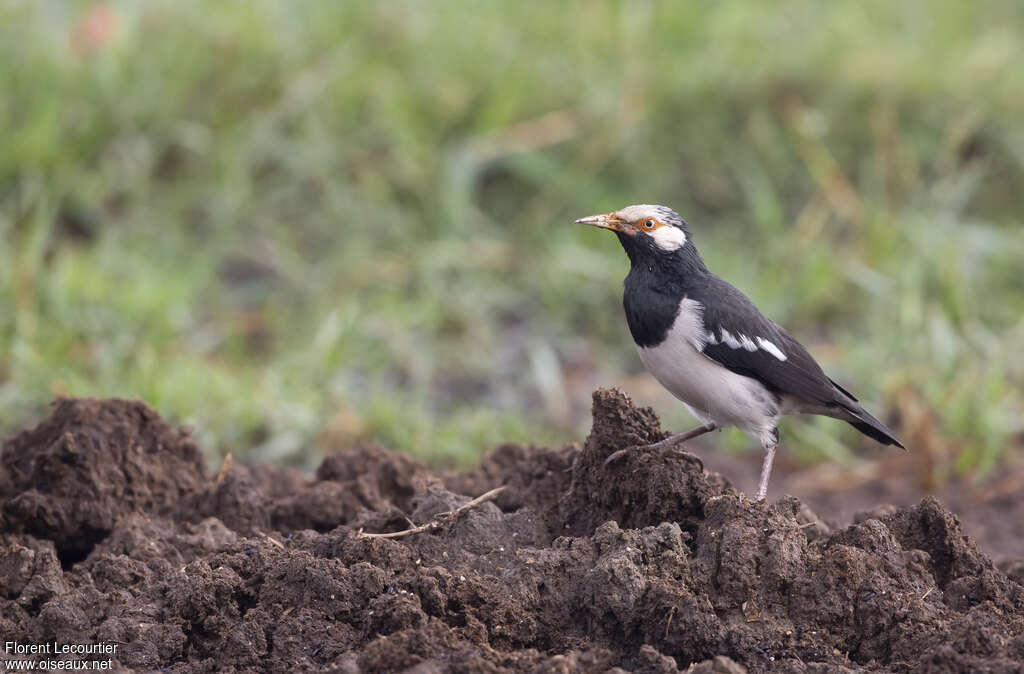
[[766, 471], [668, 442]]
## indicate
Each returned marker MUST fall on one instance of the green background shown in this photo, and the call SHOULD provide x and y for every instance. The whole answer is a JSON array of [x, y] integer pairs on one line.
[[297, 226]]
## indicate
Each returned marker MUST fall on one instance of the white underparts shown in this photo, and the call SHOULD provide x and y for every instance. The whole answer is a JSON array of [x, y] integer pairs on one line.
[[668, 238], [711, 391]]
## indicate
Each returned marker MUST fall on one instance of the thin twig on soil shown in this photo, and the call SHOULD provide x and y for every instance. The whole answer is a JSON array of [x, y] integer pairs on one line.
[[271, 539], [440, 519], [223, 472]]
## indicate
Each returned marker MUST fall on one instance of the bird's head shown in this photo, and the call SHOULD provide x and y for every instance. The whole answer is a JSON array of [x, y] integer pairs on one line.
[[647, 231]]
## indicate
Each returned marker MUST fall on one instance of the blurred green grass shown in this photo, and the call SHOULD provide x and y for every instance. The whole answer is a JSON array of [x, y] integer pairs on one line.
[[295, 225]]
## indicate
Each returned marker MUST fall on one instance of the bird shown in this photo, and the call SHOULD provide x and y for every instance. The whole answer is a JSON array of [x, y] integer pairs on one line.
[[707, 343]]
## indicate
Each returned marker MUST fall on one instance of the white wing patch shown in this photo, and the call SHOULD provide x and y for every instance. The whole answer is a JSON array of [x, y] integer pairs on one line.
[[747, 343], [771, 348]]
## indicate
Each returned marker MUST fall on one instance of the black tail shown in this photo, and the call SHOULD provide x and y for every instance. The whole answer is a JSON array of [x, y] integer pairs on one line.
[[876, 431], [865, 423], [872, 427]]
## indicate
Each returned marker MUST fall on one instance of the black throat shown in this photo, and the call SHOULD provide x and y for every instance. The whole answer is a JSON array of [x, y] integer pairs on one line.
[[657, 282]]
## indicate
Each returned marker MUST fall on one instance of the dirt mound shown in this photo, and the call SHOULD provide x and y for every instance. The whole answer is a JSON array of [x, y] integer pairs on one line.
[[72, 477], [113, 533]]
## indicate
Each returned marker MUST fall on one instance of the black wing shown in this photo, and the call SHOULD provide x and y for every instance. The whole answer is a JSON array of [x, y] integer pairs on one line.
[[743, 340], [740, 338]]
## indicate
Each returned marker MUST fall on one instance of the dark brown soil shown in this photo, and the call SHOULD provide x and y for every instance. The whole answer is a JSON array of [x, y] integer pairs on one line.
[[112, 531], [991, 510]]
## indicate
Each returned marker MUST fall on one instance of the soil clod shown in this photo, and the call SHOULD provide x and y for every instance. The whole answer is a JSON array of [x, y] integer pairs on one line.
[[110, 530]]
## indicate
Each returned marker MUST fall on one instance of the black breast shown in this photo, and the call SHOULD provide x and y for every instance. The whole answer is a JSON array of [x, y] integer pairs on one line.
[[651, 305]]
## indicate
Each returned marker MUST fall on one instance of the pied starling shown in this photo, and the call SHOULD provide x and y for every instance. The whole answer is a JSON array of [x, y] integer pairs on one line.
[[707, 343]]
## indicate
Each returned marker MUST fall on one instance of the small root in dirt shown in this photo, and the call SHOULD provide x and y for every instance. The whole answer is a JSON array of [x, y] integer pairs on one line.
[[439, 520], [223, 472], [271, 539]]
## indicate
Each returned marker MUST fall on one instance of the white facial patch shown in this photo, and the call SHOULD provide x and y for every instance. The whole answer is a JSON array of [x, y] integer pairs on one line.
[[668, 238]]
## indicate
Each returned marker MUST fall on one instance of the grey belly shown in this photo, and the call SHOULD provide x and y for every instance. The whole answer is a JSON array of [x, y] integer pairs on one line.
[[709, 390]]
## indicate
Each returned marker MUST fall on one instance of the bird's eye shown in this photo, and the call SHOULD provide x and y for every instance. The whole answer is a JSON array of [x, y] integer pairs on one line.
[[649, 224]]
